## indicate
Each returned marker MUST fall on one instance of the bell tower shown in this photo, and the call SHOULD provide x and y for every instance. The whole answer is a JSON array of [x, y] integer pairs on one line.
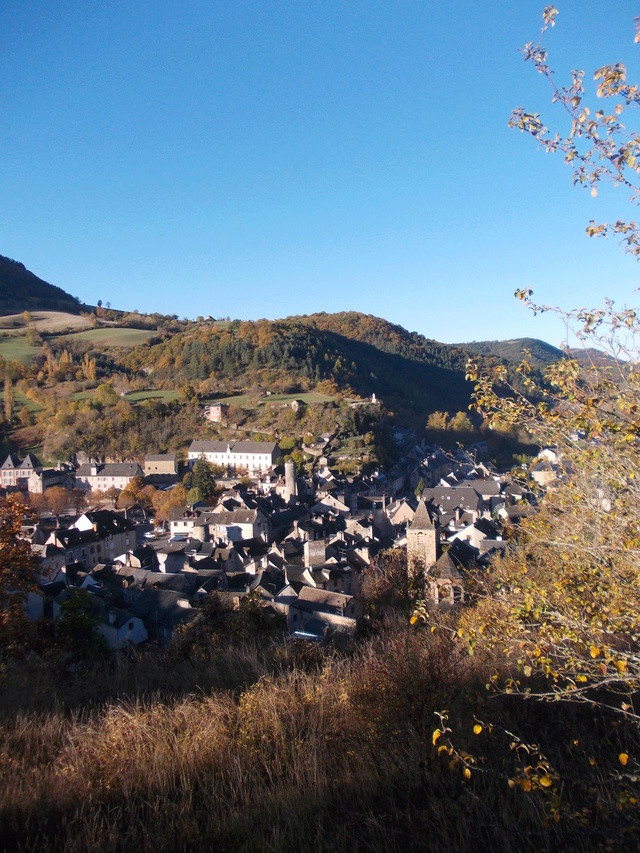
[[422, 539]]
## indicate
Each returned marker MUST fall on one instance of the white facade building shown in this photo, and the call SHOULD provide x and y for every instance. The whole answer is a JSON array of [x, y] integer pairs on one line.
[[254, 456]]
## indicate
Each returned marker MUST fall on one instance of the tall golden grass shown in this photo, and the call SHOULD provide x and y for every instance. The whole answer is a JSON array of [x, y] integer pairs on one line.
[[280, 754]]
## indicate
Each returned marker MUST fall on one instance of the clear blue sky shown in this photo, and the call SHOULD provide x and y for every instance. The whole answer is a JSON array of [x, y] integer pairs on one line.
[[260, 159]]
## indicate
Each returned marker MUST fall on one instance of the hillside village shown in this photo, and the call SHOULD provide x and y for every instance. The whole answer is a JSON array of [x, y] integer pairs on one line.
[[298, 543]]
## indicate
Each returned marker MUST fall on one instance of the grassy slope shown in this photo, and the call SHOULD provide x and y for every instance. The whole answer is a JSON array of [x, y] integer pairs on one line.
[[113, 337]]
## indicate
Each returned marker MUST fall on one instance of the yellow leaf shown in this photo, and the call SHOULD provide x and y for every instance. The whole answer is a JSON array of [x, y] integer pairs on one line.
[[435, 736], [623, 758], [546, 781], [442, 748], [594, 651], [594, 192], [631, 161], [466, 773], [621, 665], [581, 678], [413, 619], [525, 784], [477, 729], [527, 671]]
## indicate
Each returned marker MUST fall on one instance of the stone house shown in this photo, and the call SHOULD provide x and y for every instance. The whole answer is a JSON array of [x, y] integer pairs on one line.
[[45, 478], [96, 537], [121, 629], [215, 412], [161, 465], [332, 609]]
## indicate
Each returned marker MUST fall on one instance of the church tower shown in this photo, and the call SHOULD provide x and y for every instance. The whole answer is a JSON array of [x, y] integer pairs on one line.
[[422, 539]]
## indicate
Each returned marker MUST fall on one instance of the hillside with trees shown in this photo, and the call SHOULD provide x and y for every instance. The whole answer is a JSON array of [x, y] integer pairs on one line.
[[22, 290], [359, 354], [540, 353]]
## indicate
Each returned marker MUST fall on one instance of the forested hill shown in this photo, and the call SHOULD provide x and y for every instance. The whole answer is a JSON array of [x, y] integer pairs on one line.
[[22, 290], [511, 351], [388, 337], [409, 373]]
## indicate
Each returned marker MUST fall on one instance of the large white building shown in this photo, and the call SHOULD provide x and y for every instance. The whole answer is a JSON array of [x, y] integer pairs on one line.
[[253, 456]]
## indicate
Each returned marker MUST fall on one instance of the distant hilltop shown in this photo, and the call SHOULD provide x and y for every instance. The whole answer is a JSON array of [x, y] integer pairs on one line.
[[22, 290]]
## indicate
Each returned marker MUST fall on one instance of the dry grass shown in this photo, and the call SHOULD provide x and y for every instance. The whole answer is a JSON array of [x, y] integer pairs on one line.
[[337, 757]]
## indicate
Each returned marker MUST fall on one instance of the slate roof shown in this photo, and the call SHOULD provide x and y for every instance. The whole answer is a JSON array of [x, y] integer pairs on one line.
[[111, 469], [236, 516], [12, 461], [107, 522], [446, 567], [161, 607], [320, 600], [30, 461], [465, 497], [422, 519]]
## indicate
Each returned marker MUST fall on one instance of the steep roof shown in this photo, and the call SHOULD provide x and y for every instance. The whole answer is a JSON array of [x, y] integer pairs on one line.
[[421, 519], [447, 568], [12, 461], [31, 461]]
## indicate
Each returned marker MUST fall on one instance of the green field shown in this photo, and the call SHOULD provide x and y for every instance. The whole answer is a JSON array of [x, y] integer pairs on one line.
[[133, 396], [21, 400], [113, 337], [149, 394], [17, 349]]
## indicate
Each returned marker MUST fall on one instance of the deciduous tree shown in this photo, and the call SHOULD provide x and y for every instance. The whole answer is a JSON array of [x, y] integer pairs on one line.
[[562, 606], [17, 576]]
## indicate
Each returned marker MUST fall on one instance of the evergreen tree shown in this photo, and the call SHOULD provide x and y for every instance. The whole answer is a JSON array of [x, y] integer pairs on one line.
[[203, 484]]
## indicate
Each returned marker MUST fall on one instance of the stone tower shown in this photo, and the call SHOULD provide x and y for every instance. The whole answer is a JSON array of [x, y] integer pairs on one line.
[[290, 484], [422, 539]]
